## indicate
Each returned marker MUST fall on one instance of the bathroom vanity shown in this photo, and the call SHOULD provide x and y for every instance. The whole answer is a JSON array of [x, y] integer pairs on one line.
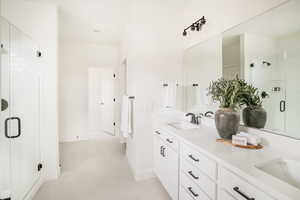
[[192, 165]]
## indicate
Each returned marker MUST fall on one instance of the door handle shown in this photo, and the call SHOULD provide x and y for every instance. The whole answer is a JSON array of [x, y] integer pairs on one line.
[[6, 127], [163, 151], [282, 106]]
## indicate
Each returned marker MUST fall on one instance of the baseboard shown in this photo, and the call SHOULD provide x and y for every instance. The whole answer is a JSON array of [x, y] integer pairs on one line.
[[144, 175], [35, 188]]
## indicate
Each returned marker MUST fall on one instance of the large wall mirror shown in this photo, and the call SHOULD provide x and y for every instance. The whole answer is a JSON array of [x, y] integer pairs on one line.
[[265, 51]]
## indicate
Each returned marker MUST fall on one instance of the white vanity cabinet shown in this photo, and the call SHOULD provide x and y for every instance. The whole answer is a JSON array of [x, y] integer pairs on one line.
[[188, 172], [166, 162], [198, 174]]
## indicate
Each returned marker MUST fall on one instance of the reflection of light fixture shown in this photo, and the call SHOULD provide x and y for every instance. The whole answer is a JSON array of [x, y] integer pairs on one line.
[[266, 63], [197, 25]]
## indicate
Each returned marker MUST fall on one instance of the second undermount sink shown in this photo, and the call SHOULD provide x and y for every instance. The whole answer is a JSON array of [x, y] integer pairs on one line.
[[283, 169], [183, 125]]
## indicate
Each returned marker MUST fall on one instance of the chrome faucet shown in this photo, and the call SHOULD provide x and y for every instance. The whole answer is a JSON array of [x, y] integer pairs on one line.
[[195, 119]]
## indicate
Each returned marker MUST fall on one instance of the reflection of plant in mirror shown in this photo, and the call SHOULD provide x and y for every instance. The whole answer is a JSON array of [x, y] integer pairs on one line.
[[250, 96], [229, 93], [234, 93]]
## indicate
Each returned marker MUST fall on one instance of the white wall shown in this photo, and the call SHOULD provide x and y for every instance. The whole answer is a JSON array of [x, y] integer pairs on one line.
[[154, 52], [40, 22], [221, 15], [75, 58]]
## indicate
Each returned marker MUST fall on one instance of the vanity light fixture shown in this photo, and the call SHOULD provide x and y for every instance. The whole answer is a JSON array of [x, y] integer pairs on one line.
[[197, 25]]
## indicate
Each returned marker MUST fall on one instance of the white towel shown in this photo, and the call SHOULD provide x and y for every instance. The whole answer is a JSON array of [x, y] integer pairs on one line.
[[169, 95], [126, 118]]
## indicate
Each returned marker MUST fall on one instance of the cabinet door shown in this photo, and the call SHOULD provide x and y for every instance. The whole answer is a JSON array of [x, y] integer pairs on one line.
[[24, 107], [159, 160], [166, 166], [171, 172]]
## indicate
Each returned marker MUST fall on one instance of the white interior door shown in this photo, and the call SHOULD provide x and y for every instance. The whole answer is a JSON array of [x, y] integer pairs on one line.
[[94, 100], [101, 100], [107, 85]]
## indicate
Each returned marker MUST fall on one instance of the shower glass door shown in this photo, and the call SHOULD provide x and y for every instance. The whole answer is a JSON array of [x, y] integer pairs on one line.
[[5, 144], [20, 94]]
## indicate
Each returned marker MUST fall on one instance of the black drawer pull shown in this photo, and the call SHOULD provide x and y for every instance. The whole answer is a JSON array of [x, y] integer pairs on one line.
[[237, 189], [157, 132], [170, 141], [193, 193], [192, 175], [193, 158]]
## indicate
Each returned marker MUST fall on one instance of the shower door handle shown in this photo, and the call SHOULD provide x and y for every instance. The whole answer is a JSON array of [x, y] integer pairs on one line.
[[282, 106], [4, 104], [6, 127]]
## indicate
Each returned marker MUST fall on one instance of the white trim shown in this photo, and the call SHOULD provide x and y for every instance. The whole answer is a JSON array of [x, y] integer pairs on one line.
[[35, 188]]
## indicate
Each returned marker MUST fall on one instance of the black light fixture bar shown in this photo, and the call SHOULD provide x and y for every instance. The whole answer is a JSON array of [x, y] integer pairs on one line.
[[197, 25]]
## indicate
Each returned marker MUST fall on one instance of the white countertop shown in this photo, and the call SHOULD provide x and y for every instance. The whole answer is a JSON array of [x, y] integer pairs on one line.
[[238, 160]]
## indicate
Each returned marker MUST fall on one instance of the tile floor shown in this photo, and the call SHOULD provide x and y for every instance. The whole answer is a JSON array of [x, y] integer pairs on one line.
[[98, 170]]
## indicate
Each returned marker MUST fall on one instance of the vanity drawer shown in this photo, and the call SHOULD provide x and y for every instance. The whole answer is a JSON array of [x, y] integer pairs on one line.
[[240, 188], [202, 162], [192, 189], [172, 141], [184, 195], [224, 195], [202, 180]]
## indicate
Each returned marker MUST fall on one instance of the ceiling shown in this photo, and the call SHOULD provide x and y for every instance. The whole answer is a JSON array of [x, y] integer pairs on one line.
[[97, 21]]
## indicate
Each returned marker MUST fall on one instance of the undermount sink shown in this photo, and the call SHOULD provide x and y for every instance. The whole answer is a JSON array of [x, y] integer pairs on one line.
[[183, 125], [283, 169]]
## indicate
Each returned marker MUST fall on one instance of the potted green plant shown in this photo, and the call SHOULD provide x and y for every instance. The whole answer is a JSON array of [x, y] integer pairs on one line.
[[229, 94], [254, 115]]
